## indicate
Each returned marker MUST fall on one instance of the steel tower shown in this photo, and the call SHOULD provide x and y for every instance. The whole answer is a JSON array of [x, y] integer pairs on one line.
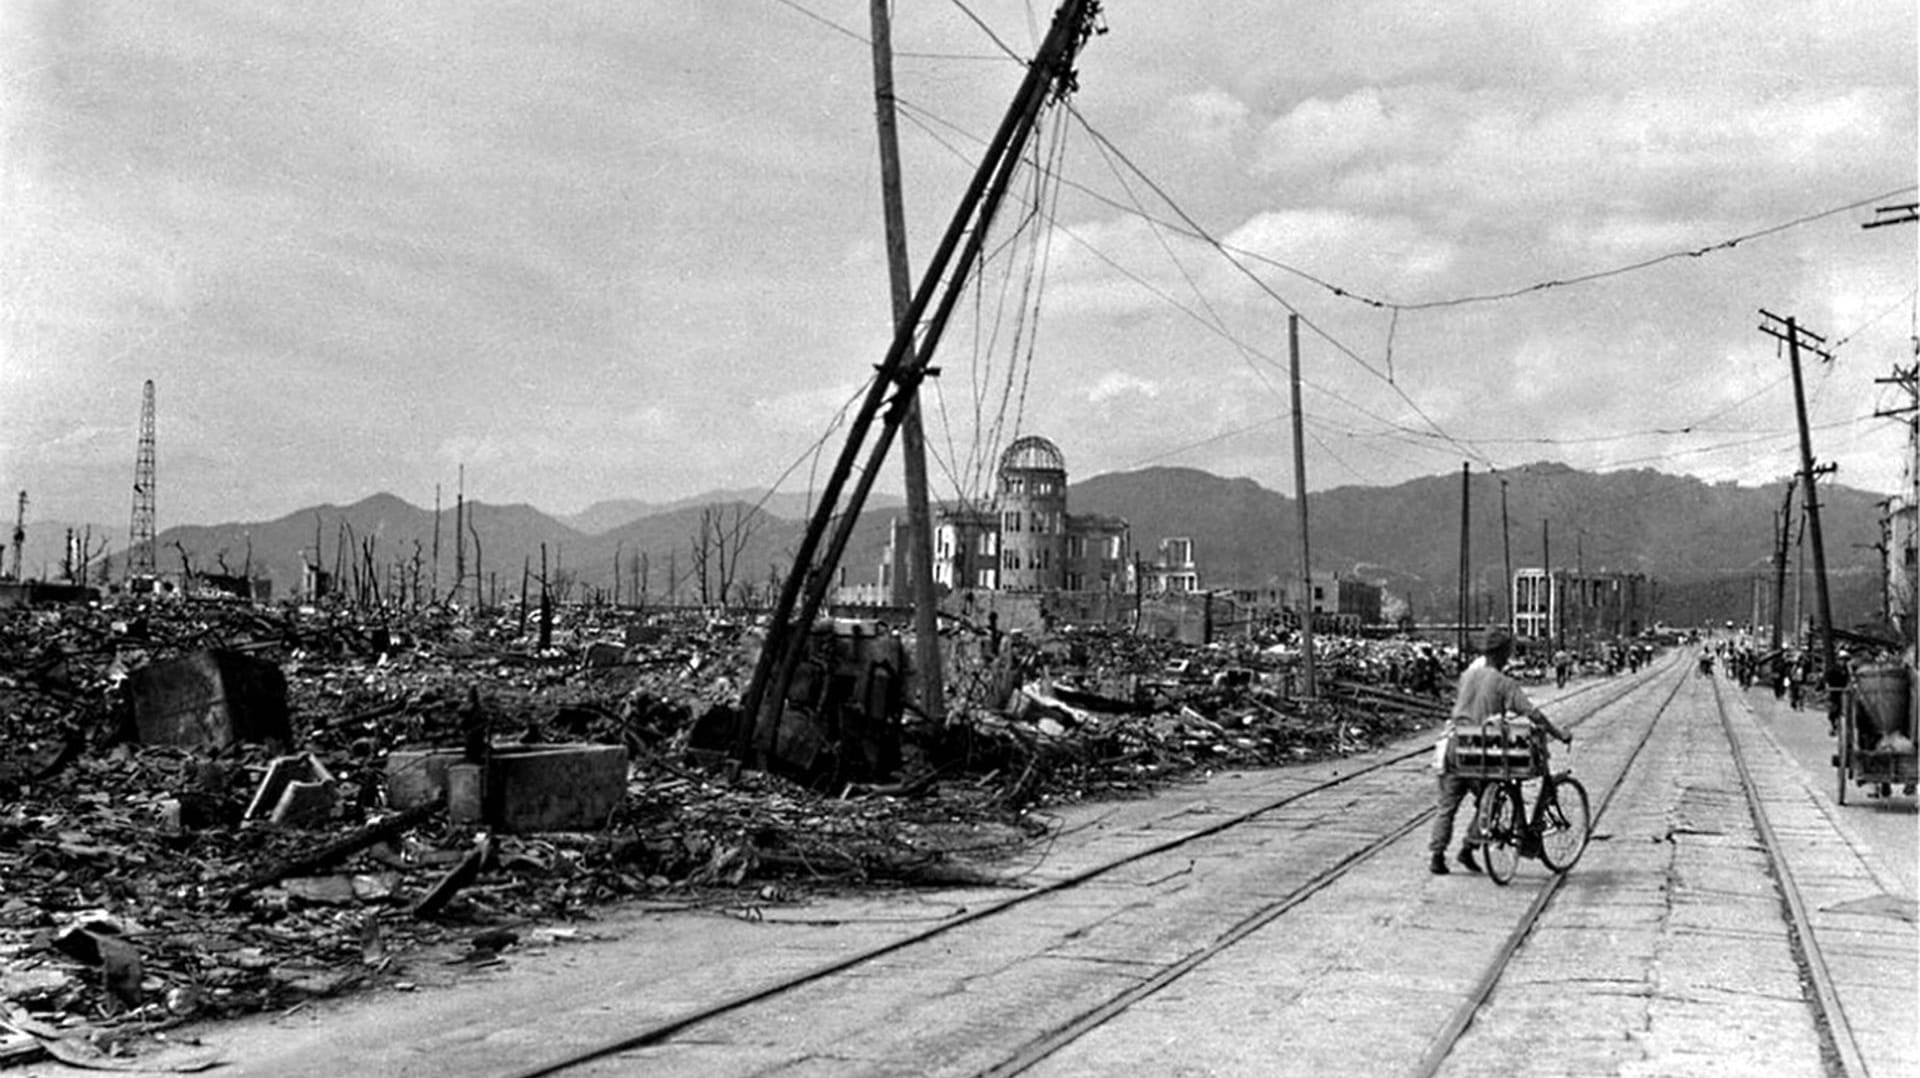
[[140, 535]]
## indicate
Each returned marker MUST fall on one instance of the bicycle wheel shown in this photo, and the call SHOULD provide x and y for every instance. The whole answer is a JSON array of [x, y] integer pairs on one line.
[[1565, 822], [1500, 831]]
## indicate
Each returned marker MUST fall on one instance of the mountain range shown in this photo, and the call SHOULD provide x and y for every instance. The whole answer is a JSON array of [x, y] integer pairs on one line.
[[1704, 544]]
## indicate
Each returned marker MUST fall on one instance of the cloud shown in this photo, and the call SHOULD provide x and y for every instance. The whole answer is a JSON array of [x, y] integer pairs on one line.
[[1320, 136], [1360, 251], [1211, 119], [1116, 384]]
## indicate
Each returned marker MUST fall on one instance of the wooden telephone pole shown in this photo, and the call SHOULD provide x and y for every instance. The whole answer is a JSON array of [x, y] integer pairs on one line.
[[913, 442], [1785, 518], [1794, 334], [1506, 556], [1300, 494]]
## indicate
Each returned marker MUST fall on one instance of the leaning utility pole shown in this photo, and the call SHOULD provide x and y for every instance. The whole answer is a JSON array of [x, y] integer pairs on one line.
[[1049, 77], [913, 443], [1823, 607], [1300, 495]]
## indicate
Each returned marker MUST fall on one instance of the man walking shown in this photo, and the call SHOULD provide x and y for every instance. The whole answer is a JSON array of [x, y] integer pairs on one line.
[[1485, 691]]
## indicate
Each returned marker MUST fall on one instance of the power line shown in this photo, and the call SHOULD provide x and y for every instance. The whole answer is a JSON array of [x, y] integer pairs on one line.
[[1268, 290], [863, 39]]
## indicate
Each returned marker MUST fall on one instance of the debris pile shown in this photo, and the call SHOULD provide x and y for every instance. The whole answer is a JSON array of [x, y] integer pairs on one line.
[[179, 842]]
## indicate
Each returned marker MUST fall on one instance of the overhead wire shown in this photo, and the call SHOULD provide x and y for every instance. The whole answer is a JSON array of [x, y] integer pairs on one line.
[[1188, 226], [863, 39], [1323, 334], [926, 119], [1213, 325], [1213, 315], [1046, 188]]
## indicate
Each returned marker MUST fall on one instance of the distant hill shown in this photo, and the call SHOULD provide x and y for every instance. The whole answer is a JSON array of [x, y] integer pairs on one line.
[[1704, 544], [605, 516]]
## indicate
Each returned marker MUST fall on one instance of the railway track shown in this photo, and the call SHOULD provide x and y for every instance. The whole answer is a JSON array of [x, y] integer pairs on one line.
[[1124, 931], [1771, 948], [1841, 1042]]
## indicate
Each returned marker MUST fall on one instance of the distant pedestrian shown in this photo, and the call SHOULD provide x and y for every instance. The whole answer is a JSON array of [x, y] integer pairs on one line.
[[1839, 676], [1486, 690], [1562, 666]]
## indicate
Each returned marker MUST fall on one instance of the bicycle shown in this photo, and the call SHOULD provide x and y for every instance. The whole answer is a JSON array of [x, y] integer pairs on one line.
[[1556, 834]]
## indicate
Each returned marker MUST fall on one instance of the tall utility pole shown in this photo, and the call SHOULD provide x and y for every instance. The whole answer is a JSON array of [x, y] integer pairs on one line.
[[1506, 551], [140, 533], [1553, 599], [1580, 608], [913, 442], [435, 585], [1792, 333], [460, 536], [1466, 504], [1049, 77], [1907, 213], [1300, 495], [1900, 550], [1784, 518]]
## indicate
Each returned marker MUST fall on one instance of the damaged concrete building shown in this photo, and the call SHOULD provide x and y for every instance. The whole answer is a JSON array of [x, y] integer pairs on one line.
[[1025, 541]]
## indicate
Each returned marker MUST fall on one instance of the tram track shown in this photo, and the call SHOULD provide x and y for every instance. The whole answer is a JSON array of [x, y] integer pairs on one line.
[[1831, 1016], [1335, 864], [1445, 1043]]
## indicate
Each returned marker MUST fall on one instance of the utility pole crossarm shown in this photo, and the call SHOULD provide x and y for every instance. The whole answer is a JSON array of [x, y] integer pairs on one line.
[[1904, 213]]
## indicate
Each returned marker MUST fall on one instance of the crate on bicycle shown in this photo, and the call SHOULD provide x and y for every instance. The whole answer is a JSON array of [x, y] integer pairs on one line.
[[1502, 747]]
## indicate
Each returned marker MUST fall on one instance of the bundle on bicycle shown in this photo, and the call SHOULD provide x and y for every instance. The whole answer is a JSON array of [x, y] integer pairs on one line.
[[1503, 754]]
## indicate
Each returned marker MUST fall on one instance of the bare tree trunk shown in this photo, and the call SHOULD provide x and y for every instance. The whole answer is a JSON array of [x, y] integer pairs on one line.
[[526, 566], [478, 597], [546, 604]]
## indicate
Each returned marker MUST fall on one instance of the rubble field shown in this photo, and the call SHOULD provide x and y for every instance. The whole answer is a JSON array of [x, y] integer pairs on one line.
[[145, 885]]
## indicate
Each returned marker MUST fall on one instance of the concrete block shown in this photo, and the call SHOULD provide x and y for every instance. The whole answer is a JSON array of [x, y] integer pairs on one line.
[[210, 698], [555, 787], [304, 804], [417, 776], [525, 788], [466, 793], [281, 773]]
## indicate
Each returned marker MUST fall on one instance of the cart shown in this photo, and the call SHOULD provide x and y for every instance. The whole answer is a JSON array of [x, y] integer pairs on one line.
[[1875, 731]]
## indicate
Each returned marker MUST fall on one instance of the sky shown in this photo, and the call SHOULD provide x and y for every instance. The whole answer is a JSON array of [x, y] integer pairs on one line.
[[635, 249]]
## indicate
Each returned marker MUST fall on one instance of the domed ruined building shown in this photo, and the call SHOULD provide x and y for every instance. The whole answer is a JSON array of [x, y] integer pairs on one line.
[[1024, 541]]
